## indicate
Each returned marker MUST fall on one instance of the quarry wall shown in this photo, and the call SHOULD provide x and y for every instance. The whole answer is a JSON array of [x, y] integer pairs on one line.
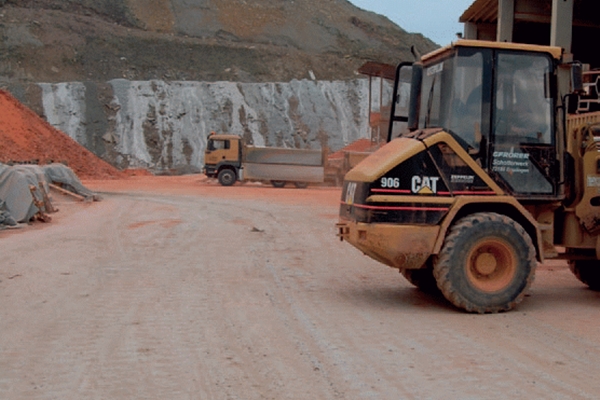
[[163, 126]]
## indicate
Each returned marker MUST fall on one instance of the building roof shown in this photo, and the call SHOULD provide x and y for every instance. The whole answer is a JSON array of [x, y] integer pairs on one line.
[[481, 11], [486, 11]]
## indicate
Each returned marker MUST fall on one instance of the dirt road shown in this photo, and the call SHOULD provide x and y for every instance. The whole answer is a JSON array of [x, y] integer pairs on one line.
[[171, 288]]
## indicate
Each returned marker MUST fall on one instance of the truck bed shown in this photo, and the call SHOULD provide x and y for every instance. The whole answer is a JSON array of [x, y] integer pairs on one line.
[[281, 172], [282, 156]]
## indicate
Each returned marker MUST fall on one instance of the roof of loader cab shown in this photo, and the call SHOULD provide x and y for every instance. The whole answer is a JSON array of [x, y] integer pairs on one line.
[[555, 52]]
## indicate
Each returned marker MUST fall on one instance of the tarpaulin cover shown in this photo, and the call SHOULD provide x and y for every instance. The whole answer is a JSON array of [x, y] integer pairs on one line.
[[64, 176], [15, 192], [16, 197]]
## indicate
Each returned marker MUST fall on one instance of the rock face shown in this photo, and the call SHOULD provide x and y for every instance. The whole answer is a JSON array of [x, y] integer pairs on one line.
[[156, 77], [163, 126]]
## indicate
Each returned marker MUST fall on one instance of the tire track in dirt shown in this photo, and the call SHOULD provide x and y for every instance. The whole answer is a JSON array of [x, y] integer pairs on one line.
[[259, 352], [144, 349]]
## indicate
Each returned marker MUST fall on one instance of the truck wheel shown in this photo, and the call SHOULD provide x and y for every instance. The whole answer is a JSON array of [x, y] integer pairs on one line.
[[587, 271], [301, 185], [278, 184], [422, 278], [227, 177], [486, 264]]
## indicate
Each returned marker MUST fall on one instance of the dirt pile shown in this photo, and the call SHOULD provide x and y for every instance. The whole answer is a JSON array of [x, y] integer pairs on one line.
[[358, 146], [26, 138]]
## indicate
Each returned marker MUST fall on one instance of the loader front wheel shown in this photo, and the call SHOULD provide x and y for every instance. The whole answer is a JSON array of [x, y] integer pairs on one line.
[[227, 177], [587, 271], [278, 184], [486, 264]]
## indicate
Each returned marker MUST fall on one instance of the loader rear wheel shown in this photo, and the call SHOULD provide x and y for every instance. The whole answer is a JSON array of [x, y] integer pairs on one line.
[[486, 264], [278, 184], [422, 278], [587, 271], [227, 177], [301, 185]]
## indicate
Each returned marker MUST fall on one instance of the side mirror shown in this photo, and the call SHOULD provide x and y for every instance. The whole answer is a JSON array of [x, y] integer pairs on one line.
[[576, 78]]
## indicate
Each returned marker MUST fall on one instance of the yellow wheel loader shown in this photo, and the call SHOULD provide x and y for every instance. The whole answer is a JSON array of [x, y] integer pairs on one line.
[[488, 171]]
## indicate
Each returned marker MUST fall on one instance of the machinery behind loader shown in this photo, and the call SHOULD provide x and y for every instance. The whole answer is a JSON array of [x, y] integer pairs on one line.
[[229, 159], [487, 174]]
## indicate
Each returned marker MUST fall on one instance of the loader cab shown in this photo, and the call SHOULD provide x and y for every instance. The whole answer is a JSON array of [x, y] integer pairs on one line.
[[497, 100]]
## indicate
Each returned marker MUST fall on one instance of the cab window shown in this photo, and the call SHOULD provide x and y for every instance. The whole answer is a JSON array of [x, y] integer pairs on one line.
[[522, 112], [218, 144], [452, 96], [523, 155]]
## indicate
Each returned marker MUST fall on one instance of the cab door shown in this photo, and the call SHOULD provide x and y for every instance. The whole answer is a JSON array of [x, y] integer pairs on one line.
[[523, 155]]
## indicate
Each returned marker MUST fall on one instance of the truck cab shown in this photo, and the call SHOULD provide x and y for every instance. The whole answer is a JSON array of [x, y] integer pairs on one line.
[[223, 158], [229, 159]]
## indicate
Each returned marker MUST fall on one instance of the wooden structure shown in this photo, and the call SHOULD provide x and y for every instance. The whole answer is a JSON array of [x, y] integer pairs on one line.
[[381, 81], [569, 24]]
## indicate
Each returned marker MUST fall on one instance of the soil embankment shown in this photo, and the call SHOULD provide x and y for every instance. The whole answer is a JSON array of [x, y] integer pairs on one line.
[[27, 138], [194, 40]]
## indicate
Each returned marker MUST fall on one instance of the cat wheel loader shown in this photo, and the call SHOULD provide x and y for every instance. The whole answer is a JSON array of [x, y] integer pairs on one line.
[[488, 170]]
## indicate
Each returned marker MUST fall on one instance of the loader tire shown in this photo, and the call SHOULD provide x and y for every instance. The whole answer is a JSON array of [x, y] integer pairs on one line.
[[587, 271], [422, 278], [278, 184], [301, 185], [486, 264], [227, 177]]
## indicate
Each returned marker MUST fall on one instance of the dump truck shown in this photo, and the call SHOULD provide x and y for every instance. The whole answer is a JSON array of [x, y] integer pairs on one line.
[[229, 159], [492, 168]]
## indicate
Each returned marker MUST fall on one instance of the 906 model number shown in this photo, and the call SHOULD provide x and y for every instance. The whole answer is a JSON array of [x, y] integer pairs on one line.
[[390, 183]]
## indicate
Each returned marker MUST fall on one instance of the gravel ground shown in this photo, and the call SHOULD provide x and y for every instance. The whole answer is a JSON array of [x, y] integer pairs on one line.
[[176, 288]]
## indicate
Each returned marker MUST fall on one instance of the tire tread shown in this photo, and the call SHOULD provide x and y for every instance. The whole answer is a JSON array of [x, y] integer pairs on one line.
[[444, 262]]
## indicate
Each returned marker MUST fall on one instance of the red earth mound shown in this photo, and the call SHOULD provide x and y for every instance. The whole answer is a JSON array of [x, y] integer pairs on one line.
[[25, 137], [360, 145]]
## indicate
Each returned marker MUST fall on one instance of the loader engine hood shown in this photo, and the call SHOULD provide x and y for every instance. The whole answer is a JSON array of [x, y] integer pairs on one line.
[[385, 159], [412, 180]]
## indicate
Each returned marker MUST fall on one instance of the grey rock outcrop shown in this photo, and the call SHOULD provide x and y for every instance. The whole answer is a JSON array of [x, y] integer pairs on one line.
[[163, 126]]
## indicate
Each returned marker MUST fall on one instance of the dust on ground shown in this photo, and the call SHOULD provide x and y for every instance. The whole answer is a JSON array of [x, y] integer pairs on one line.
[[179, 288]]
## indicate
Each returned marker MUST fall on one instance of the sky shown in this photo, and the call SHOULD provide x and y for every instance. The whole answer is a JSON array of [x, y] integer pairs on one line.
[[435, 19]]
